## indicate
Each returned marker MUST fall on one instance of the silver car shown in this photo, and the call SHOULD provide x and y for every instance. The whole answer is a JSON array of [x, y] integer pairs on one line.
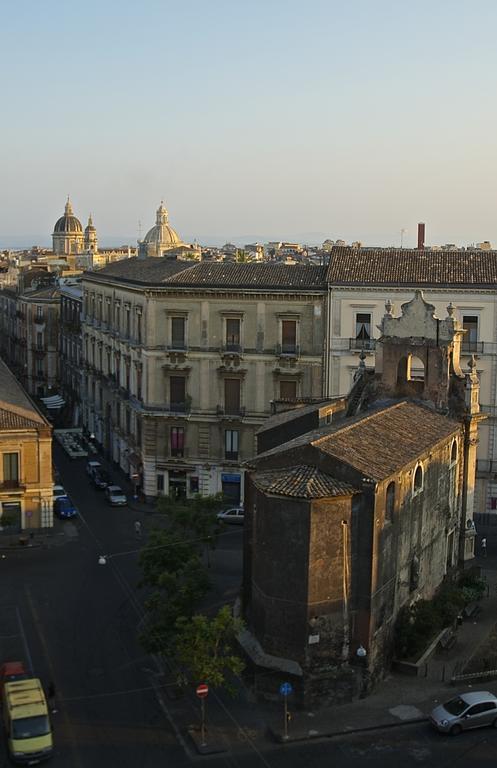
[[472, 709], [115, 496], [234, 515]]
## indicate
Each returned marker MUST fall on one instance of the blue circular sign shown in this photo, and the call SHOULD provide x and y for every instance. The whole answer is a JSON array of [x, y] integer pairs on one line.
[[285, 689]]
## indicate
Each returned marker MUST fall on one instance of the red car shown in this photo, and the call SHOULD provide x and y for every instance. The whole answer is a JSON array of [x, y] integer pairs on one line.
[[12, 670]]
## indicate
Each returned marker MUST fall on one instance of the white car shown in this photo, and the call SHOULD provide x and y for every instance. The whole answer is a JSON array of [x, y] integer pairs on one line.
[[234, 515], [58, 492], [91, 466]]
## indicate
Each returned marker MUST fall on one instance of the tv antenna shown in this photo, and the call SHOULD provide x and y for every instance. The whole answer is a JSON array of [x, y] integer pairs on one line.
[[402, 233]]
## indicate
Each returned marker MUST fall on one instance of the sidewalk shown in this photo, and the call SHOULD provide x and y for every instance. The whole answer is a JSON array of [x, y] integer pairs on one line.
[[400, 700]]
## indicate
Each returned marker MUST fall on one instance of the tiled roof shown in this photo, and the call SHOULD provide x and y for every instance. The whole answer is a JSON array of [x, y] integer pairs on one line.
[[151, 271], [259, 275], [293, 413], [303, 482], [10, 420], [17, 411], [399, 267], [381, 443], [50, 292], [154, 271]]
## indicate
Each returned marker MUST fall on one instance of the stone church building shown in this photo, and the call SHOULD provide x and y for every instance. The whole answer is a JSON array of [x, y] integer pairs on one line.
[[367, 512]]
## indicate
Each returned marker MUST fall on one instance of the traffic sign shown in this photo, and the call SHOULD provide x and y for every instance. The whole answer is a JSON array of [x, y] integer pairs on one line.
[[286, 689], [202, 690]]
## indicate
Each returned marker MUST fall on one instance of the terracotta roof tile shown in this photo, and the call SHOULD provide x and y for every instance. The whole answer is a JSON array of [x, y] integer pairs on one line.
[[151, 271], [382, 442], [259, 275], [390, 266], [303, 482], [155, 271], [14, 421]]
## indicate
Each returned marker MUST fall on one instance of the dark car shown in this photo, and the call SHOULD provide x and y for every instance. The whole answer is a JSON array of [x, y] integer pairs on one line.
[[101, 479], [64, 508]]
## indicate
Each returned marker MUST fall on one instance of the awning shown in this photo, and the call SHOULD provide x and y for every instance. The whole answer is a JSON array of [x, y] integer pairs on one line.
[[52, 402]]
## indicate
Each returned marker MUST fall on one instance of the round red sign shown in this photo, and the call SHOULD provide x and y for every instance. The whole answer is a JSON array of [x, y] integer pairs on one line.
[[202, 690]]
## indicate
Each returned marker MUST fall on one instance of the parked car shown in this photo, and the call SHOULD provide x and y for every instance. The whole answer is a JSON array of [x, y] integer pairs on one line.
[[11, 671], [91, 467], [234, 515], [472, 709], [115, 496], [59, 492], [64, 508], [101, 479]]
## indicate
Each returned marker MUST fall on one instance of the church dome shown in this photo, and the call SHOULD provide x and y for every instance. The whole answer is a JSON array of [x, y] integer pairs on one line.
[[162, 234], [68, 223]]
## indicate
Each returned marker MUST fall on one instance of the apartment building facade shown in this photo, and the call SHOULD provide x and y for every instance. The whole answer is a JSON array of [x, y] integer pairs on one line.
[[26, 485], [181, 364], [30, 337], [71, 349], [362, 282]]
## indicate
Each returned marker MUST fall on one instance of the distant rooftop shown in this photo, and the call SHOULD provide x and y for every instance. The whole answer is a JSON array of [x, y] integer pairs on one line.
[[411, 267]]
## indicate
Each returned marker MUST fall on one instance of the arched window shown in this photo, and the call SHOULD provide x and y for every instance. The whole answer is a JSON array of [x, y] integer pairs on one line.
[[418, 479], [390, 502], [453, 452]]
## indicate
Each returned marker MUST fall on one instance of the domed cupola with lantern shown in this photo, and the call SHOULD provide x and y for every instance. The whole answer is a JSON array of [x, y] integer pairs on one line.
[[161, 238], [68, 236]]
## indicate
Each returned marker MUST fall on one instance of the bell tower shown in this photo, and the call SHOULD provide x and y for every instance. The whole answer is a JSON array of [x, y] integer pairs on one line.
[[419, 354]]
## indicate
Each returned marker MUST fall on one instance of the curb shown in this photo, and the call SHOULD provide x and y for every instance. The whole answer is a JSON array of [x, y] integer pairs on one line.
[[315, 734]]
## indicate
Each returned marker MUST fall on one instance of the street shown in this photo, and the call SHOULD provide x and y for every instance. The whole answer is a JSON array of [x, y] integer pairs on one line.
[[76, 622]]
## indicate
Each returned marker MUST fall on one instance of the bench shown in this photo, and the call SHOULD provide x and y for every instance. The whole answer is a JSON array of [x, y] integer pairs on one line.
[[447, 639], [471, 611]]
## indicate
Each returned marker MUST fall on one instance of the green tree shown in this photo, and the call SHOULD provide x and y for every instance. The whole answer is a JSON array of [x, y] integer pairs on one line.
[[171, 566], [206, 647]]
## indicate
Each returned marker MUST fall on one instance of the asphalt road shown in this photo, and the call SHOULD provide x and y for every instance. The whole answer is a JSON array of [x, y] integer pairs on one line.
[[77, 623]]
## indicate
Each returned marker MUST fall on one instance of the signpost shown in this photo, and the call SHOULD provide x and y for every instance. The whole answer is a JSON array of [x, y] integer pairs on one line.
[[202, 693], [135, 478], [285, 690]]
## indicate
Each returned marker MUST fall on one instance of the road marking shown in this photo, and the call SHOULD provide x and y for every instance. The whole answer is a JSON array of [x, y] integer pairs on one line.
[[39, 628], [24, 640]]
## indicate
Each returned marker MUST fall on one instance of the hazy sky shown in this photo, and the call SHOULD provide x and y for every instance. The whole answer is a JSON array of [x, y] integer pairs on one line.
[[260, 118]]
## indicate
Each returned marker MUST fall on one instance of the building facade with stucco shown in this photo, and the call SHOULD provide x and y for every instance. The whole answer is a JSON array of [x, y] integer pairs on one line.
[[26, 484], [181, 364]]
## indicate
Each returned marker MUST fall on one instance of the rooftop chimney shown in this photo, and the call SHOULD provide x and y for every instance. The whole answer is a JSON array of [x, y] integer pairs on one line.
[[421, 236]]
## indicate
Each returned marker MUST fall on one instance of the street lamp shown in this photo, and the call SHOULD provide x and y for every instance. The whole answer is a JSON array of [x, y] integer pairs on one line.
[[102, 559]]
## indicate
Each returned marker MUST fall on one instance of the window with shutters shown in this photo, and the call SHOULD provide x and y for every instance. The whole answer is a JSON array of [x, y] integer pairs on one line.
[[470, 338], [231, 439], [10, 470], [288, 390], [177, 441], [288, 337], [233, 334], [232, 396], [178, 340], [177, 393]]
